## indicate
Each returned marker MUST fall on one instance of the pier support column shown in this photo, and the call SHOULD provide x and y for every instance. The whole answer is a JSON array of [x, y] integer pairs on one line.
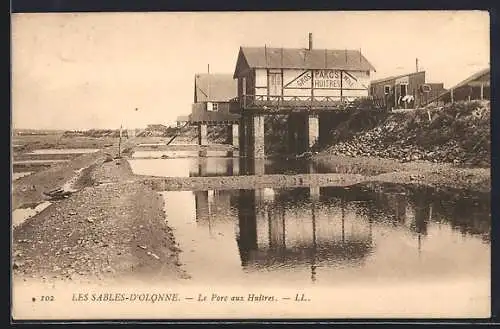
[[202, 167], [258, 136], [314, 193], [243, 136], [236, 135], [236, 166], [202, 134], [313, 129], [258, 166], [291, 133]]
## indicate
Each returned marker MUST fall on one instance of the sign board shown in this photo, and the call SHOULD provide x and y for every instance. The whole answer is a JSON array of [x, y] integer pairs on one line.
[[326, 79], [323, 79], [301, 80]]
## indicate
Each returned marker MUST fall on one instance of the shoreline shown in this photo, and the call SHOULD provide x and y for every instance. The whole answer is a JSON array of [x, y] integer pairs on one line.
[[114, 226]]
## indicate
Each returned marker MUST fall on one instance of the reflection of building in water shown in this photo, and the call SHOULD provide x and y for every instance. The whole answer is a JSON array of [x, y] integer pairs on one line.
[[212, 205], [215, 166], [296, 228], [327, 226], [395, 206], [258, 166]]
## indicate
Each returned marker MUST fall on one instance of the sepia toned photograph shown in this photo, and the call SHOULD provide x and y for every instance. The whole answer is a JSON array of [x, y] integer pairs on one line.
[[250, 165]]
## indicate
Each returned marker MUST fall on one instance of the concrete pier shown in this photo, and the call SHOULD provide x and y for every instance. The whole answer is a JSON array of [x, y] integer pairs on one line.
[[202, 134], [243, 137], [314, 192], [313, 129], [303, 133], [235, 135], [258, 136]]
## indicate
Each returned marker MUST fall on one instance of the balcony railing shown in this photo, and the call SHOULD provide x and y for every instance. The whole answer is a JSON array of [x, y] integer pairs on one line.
[[277, 103]]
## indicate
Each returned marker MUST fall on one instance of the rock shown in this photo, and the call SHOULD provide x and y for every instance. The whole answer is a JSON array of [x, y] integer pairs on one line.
[[185, 276], [175, 249], [153, 255], [72, 213], [17, 264]]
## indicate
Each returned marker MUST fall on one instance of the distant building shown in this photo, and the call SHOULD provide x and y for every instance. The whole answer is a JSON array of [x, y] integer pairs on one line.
[[408, 90], [212, 96], [475, 87]]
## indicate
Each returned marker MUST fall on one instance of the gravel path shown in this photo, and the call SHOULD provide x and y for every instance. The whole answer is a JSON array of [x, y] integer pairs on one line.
[[111, 230]]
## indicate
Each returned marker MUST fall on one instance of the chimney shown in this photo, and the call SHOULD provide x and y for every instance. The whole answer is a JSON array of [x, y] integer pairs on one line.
[[310, 41]]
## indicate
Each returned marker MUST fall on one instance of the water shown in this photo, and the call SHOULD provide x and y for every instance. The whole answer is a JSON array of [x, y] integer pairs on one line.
[[185, 167], [63, 151], [333, 237], [20, 215], [17, 175], [176, 154], [186, 164]]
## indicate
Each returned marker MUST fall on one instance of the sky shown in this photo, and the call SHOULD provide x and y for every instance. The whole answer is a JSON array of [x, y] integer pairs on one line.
[[92, 70]]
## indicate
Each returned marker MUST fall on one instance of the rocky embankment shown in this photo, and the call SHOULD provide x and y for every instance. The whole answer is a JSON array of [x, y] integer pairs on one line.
[[458, 133], [112, 228]]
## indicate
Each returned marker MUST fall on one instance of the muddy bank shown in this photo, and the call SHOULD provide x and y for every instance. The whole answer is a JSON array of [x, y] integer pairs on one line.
[[425, 173], [456, 133], [182, 147], [29, 189], [250, 182], [113, 229], [376, 171]]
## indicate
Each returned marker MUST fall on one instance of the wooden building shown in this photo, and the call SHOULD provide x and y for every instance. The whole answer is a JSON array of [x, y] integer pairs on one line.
[[299, 82], [475, 87], [212, 96], [408, 90], [286, 78]]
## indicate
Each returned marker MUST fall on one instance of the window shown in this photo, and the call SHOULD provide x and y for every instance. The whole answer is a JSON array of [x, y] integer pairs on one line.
[[403, 90], [387, 89], [425, 88], [212, 106]]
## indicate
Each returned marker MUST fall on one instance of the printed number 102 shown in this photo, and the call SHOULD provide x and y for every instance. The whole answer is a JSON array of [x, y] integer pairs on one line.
[[47, 298]]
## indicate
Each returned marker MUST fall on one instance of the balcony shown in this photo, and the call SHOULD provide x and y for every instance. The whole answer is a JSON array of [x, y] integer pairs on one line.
[[260, 103]]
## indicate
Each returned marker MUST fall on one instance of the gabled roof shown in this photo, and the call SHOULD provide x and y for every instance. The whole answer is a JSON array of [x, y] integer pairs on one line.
[[299, 58], [214, 88], [394, 77], [476, 76]]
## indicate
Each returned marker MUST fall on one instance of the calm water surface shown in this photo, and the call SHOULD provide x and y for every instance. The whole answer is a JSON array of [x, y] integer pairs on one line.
[[63, 151], [188, 164], [331, 236]]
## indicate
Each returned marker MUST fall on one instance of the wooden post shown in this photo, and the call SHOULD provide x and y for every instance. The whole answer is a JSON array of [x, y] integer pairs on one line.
[[482, 91], [341, 86], [208, 87], [451, 95], [120, 143], [395, 96]]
